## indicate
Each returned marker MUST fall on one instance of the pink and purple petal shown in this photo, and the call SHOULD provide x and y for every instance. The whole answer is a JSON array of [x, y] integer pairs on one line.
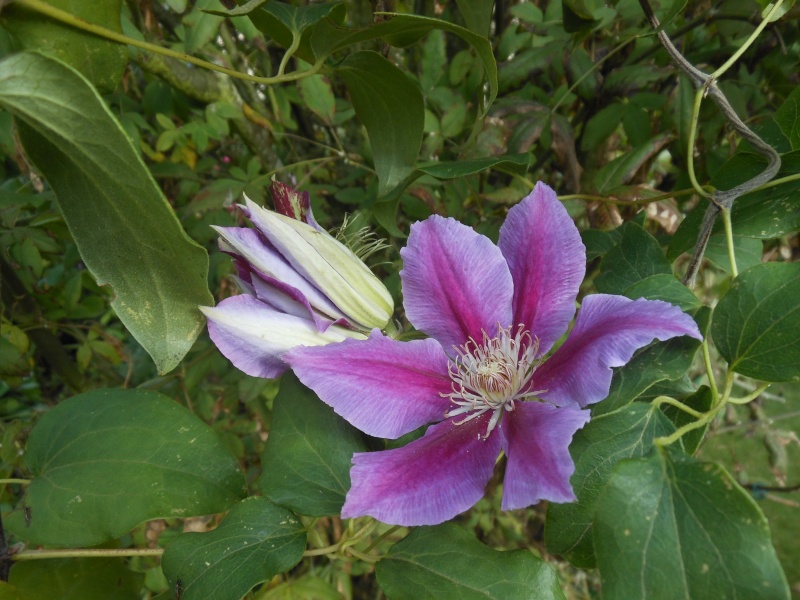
[[547, 261], [456, 283], [383, 387], [608, 330], [536, 439], [427, 482], [258, 255], [254, 336]]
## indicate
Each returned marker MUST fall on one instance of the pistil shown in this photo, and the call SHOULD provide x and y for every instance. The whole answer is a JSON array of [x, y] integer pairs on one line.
[[493, 375]]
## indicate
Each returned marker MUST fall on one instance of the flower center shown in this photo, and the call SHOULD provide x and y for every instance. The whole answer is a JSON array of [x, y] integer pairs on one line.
[[493, 375]]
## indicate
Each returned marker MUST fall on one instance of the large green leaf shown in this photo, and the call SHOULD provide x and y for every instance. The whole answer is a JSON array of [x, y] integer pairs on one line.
[[256, 541], [73, 578], [125, 230], [102, 62], [447, 562], [306, 461], [668, 526], [596, 448], [756, 324], [637, 256], [664, 287], [390, 106], [104, 461]]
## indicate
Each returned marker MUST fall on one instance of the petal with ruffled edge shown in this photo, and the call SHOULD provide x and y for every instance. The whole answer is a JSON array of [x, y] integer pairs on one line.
[[455, 282], [547, 261], [536, 438], [254, 336], [608, 330], [427, 482], [381, 386]]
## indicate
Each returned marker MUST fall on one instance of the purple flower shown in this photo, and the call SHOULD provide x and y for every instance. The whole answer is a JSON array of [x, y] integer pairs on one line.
[[302, 288], [492, 314]]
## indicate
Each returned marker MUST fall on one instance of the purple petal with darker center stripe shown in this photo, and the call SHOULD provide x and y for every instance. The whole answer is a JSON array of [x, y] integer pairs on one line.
[[427, 482], [384, 387]]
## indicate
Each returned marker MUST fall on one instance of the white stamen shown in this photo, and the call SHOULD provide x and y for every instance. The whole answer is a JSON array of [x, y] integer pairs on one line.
[[493, 375]]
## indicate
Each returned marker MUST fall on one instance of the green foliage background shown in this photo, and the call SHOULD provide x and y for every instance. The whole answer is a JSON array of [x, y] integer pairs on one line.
[[452, 108]]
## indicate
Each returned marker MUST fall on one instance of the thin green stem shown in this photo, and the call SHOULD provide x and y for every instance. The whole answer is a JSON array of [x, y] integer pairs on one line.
[[698, 100], [637, 202], [750, 397], [86, 553], [712, 383], [775, 182], [681, 431], [382, 537], [19, 481], [70, 19], [363, 557], [677, 404], [743, 48], [288, 54], [726, 222]]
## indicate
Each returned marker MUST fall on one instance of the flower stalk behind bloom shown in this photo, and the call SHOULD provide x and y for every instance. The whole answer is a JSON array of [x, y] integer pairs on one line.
[[302, 288]]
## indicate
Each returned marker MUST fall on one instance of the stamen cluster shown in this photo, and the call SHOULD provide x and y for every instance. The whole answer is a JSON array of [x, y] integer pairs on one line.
[[493, 375]]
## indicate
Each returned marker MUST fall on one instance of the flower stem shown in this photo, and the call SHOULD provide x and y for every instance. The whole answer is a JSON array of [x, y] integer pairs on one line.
[[86, 553]]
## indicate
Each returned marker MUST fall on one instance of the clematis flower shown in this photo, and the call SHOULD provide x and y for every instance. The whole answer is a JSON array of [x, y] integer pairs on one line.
[[302, 288], [483, 377]]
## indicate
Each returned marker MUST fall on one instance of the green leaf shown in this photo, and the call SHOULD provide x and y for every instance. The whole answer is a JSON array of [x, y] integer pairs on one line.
[[748, 252], [306, 461], [67, 578], [126, 232], [661, 361], [664, 287], [447, 562], [668, 526], [787, 117], [434, 61], [595, 449], [477, 15], [599, 242], [637, 256], [602, 125], [756, 324], [102, 62], [328, 38], [104, 461], [620, 170], [318, 96], [390, 106], [386, 207], [255, 541], [202, 25]]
